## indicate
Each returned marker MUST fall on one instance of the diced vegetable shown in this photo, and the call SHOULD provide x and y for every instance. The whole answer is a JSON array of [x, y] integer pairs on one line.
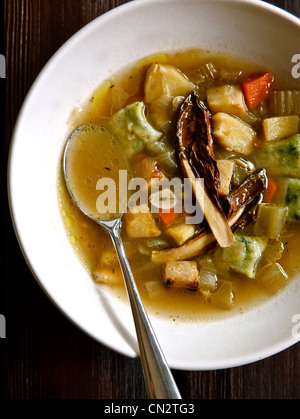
[[108, 276], [146, 246], [119, 98], [244, 255], [164, 154], [285, 102], [226, 168], [208, 280], [132, 127], [242, 169], [139, 222], [206, 72], [180, 233], [289, 196], [257, 88], [270, 220], [145, 167], [233, 134], [163, 79], [272, 277], [224, 296], [228, 75], [278, 127], [98, 99], [161, 110], [181, 274], [228, 99], [154, 289], [273, 252], [281, 157], [146, 62], [167, 217], [270, 191], [108, 258]]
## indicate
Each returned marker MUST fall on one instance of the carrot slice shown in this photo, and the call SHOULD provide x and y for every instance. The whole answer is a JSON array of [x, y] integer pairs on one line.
[[256, 88]]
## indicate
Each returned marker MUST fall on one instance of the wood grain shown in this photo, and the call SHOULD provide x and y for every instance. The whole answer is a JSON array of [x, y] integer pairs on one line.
[[46, 357]]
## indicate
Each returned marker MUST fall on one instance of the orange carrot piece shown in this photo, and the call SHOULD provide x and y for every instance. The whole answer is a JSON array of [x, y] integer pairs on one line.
[[256, 88], [270, 191], [168, 217]]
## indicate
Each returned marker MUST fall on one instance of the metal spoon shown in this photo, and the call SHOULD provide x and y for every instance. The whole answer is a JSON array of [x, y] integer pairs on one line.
[[159, 381]]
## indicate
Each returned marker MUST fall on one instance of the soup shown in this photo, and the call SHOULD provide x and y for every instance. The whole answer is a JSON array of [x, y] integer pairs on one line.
[[213, 148]]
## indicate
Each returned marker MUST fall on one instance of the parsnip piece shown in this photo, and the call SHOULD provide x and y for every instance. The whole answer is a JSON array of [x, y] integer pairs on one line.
[[229, 99], [226, 168], [233, 134], [163, 79], [180, 233], [216, 220], [139, 223], [279, 127], [181, 274], [108, 276]]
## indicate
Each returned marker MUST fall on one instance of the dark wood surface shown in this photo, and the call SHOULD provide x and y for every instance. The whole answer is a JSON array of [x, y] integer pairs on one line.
[[45, 356]]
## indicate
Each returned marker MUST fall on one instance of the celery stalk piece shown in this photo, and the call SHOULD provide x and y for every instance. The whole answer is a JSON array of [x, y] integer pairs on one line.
[[270, 220]]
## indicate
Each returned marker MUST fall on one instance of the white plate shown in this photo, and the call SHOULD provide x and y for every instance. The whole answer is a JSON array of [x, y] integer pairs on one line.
[[250, 29]]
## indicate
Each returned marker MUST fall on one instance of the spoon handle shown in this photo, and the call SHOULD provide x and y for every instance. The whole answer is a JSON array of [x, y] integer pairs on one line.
[[158, 377]]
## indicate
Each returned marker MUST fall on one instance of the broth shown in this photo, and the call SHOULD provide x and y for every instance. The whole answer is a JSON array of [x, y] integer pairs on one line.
[[92, 244]]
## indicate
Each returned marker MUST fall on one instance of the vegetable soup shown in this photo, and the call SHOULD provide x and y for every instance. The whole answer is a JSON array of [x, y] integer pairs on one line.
[[226, 235]]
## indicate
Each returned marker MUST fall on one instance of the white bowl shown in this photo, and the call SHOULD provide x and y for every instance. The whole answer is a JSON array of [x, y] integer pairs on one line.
[[250, 29]]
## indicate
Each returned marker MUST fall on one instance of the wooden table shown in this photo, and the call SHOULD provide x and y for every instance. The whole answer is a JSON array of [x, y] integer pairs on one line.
[[46, 357]]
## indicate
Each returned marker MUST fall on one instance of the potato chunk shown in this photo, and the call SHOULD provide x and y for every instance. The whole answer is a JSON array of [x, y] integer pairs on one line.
[[279, 127], [182, 274], [232, 133], [139, 223]]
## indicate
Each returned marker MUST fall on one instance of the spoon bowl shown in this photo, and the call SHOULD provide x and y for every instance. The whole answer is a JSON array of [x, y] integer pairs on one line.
[[160, 383]]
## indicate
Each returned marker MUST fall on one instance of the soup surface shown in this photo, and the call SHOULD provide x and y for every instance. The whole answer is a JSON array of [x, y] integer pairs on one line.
[[211, 146]]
